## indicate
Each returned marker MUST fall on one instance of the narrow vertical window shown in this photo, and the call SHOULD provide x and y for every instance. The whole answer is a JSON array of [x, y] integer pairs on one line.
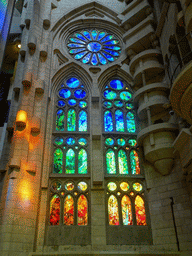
[[82, 121], [69, 210], [82, 207], [113, 210], [140, 211], [70, 161], [126, 210], [55, 210], [110, 161], [58, 161], [82, 162], [130, 122], [122, 159], [119, 121], [71, 120], [60, 120], [108, 121], [134, 160]]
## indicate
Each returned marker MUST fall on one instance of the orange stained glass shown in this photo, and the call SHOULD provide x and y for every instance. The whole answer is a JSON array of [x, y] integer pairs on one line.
[[82, 206], [134, 160], [140, 211], [69, 210], [126, 210], [55, 210], [113, 210]]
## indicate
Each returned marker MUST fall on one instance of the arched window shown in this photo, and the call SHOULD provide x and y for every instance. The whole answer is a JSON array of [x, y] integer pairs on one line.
[[69, 199], [124, 196]]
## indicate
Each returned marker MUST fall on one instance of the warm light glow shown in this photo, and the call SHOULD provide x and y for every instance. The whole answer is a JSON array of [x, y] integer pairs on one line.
[[19, 46], [25, 192], [21, 118]]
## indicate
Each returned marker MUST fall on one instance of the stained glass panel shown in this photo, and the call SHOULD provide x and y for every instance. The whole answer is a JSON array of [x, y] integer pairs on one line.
[[116, 84], [94, 47], [108, 121], [118, 103], [113, 210], [112, 186], [58, 161], [125, 95], [69, 186], [65, 93], [82, 186], [140, 211], [73, 82], [55, 210], [134, 160], [110, 161], [109, 94], [72, 102], [82, 104], [122, 159], [82, 141], [124, 186], [60, 120], [86, 33], [109, 141], [121, 142], [126, 210], [69, 210], [107, 104], [70, 141], [119, 121], [82, 162], [137, 186], [82, 208], [80, 94], [70, 161], [132, 142], [59, 141], [82, 121], [129, 106], [130, 122], [56, 185], [61, 103], [71, 120]]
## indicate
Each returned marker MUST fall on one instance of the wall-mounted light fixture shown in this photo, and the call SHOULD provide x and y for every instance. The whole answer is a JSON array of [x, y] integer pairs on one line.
[[21, 118]]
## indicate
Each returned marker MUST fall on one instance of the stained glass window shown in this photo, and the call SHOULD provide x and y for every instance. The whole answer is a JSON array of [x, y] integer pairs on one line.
[[126, 210], [94, 47], [69, 210], [55, 210], [140, 211], [82, 210], [113, 210]]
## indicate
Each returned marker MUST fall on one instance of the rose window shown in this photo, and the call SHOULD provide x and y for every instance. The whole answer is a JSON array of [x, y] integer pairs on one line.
[[94, 47]]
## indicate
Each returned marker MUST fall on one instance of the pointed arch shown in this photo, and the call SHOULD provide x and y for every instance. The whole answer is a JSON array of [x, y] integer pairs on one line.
[[82, 211], [69, 210], [70, 161], [126, 210], [55, 210], [58, 161], [113, 210], [140, 211]]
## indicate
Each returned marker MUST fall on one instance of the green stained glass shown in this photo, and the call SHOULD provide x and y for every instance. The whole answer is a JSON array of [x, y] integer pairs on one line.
[[58, 161], [70, 161], [129, 106], [82, 162], [82, 121], [59, 141], [125, 95], [118, 103], [112, 186], [60, 120], [109, 94], [132, 142], [82, 186], [122, 159], [82, 104], [82, 141], [134, 160], [130, 122], [71, 120], [119, 121], [110, 161], [109, 141], [121, 142], [137, 186], [107, 104]]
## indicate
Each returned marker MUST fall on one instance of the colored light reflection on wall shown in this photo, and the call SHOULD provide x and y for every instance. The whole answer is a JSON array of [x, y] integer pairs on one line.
[[25, 192], [3, 7]]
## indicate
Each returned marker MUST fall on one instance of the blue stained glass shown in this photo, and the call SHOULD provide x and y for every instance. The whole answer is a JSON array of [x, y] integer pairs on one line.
[[112, 52], [72, 102], [121, 142], [64, 93], [70, 141], [130, 122], [94, 60], [116, 84], [109, 141], [61, 103], [109, 94], [80, 37], [73, 82], [75, 40], [73, 51], [86, 33], [129, 105], [82, 121], [94, 34], [102, 60], [86, 59], [80, 55], [113, 47], [107, 104], [109, 57], [119, 121], [82, 141], [80, 94], [101, 35], [75, 45], [82, 104], [125, 95], [108, 121], [118, 103], [112, 42], [59, 141], [109, 37], [94, 46]]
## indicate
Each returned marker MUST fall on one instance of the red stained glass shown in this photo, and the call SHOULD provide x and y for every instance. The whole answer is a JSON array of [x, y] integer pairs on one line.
[[134, 159], [126, 211], [55, 210], [140, 211], [69, 210], [82, 206], [113, 210]]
